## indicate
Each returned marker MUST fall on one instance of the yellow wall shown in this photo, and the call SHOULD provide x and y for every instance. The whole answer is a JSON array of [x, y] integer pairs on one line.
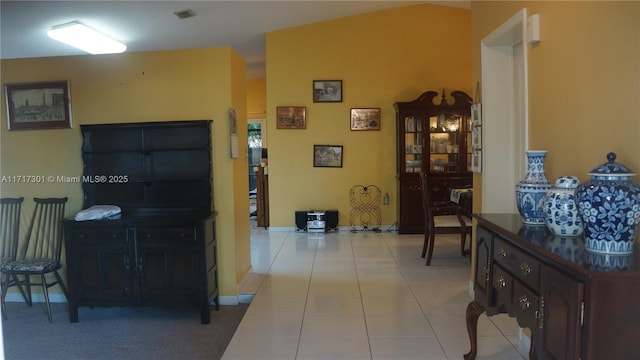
[[133, 87], [584, 80], [381, 57], [256, 98]]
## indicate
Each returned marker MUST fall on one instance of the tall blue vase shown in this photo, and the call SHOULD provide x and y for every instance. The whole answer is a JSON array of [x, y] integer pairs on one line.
[[530, 191]]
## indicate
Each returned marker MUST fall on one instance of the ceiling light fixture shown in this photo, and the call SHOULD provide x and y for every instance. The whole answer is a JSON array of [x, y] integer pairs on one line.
[[86, 39]]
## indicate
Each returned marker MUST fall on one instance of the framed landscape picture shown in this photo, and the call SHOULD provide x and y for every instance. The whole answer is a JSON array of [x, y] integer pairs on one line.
[[39, 105], [327, 156], [365, 119], [327, 91], [291, 117]]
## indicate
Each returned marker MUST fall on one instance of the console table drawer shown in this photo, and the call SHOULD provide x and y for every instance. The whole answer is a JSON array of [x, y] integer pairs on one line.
[[503, 286], [519, 264]]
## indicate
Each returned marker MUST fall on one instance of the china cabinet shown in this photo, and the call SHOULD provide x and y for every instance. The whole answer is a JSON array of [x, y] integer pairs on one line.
[[161, 251], [434, 138]]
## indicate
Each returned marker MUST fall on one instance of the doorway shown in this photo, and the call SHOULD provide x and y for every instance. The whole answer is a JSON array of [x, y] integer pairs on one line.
[[254, 136], [505, 110]]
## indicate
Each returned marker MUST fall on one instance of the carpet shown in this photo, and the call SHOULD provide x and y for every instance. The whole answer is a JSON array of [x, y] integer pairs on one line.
[[117, 333]]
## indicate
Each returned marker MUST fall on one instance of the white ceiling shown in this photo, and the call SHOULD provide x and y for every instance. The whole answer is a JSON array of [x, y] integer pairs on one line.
[[150, 25]]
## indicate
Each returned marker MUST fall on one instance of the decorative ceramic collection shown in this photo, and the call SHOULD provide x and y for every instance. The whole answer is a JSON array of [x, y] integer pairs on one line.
[[531, 191], [560, 210], [609, 204]]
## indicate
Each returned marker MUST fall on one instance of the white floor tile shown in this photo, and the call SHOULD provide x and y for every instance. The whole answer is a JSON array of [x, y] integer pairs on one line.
[[362, 295], [313, 348], [334, 326], [384, 326], [405, 348]]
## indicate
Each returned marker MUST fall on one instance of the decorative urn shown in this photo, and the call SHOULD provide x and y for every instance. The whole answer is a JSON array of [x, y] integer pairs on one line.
[[609, 204], [531, 190], [560, 210]]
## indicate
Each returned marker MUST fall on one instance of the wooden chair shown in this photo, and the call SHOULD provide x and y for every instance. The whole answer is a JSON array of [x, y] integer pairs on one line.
[[40, 254], [9, 237], [441, 217]]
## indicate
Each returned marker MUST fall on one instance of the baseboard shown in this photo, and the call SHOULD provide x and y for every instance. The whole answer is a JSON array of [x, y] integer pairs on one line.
[[60, 298], [342, 228], [36, 298], [525, 340]]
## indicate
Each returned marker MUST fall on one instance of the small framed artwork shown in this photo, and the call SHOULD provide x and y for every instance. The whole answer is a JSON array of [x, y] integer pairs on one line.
[[365, 119], [476, 138], [327, 91], [327, 156], [476, 161], [291, 117], [39, 105]]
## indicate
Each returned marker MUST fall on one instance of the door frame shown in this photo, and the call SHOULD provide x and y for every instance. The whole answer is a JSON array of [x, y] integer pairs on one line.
[[504, 113]]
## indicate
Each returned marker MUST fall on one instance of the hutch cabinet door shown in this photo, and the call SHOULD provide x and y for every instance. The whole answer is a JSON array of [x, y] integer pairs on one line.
[[562, 297], [100, 265], [168, 263]]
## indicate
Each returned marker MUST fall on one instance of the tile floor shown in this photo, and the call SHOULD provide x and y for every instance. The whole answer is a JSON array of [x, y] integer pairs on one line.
[[362, 295]]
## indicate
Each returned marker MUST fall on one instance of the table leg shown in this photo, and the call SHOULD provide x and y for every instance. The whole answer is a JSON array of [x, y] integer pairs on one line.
[[474, 310]]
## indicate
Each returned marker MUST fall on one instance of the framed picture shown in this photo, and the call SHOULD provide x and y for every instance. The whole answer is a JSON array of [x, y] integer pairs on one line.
[[327, 156], [476, 138], [291, 117], [40, 105], [327, 91], [365, 119]]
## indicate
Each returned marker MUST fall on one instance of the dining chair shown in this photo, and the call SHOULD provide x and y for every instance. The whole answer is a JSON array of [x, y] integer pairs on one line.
[[9, 237], [40, 254], [441, 217]]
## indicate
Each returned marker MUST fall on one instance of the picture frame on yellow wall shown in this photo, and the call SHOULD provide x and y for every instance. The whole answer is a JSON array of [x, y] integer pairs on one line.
[[327, 156], [291, 117], [476, 138], [365, 119], [38, 105], [327, 91]]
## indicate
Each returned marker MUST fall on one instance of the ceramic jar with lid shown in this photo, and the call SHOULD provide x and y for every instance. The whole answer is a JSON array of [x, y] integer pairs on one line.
[[609, 204], [560, 210]]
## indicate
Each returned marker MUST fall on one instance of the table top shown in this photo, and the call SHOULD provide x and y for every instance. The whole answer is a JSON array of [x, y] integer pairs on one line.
[[563, 248]]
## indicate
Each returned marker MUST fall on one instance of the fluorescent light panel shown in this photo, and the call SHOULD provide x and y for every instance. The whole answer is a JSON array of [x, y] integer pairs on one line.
[[86, 39]]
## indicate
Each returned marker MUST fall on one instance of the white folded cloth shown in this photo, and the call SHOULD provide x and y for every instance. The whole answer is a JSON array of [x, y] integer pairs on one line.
[[97, 212]]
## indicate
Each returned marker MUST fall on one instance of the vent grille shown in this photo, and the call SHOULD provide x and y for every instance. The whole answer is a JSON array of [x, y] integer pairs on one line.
[[185, 14]]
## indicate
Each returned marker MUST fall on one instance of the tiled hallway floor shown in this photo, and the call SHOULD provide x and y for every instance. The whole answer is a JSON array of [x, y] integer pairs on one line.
[[362, 295]]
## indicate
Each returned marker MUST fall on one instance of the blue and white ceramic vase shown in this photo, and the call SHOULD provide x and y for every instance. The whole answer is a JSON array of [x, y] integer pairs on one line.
[[531, 191], [609, 204], [560, 209]]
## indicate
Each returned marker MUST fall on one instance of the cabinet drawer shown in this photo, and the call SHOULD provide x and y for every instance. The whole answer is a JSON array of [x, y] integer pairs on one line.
[[520, 265], [97, 235], [185, 234], [503, 286], [528, 306]]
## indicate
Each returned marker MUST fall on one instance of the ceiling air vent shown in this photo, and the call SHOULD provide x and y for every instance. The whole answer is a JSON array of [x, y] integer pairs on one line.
[[185, 14]]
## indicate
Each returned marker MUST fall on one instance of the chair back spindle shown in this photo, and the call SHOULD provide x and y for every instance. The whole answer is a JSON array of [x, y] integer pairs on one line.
[[44, 236], [9, 228]]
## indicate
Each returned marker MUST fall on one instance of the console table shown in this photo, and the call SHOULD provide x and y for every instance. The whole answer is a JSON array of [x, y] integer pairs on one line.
[[577, 304]]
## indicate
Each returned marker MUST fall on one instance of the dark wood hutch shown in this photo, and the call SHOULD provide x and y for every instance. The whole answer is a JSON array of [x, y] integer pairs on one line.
[[162, 249], [435, 139]]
